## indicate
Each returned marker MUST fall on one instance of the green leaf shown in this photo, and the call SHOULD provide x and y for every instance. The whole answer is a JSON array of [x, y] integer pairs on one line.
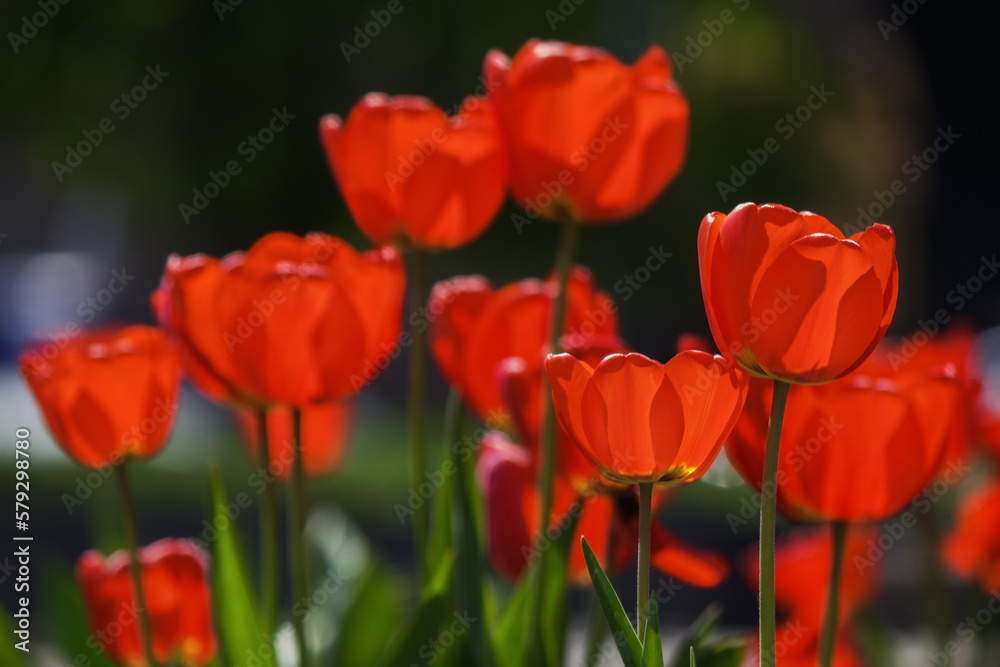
[[705, 625], [508, 643], [239, 633], [555, 562], [694, 663], [699, 634], [439, 534], [625, 638], [469, 564], [722, 654], [376, 604], [410, 645], [708, 651], [652, 647], [66, 618], [440, 580]]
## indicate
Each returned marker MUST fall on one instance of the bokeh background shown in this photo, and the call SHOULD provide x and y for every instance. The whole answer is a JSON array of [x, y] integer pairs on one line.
[[229, 65]]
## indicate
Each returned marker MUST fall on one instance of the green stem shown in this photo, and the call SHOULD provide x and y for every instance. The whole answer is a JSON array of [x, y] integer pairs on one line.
[[598, 622], [935, 588], [645, 510], [839, 530], [768, 512], [132, 542], [297, 540], [466, 532], [568, 233], [418, 448], [268, 531]]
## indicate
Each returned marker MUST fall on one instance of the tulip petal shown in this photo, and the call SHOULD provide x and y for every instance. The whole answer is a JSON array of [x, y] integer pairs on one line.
[[568, 378], [673, 557], [713, 394], [618, 404], [458, 303], [816, 310]]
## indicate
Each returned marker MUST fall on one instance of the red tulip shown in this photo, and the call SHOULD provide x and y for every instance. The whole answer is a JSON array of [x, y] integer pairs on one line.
[[474, 327], [412, 175], [178, 602], [951, 354], [954, 351], [789, 298], [108, 394], [506, 474], [802, 574], [325, 428], [857, 449], [454, 307], [293, 320], [589, 138], [972, 549], [521, 385], [637, 420]]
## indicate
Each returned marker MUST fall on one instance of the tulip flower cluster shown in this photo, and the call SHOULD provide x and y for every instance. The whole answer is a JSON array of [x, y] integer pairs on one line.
[[587, 440]]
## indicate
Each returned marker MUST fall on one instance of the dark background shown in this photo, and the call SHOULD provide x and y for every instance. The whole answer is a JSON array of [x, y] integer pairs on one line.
[[119, 207]]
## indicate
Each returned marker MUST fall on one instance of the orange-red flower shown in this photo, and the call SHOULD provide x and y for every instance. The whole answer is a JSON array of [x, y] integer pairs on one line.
[[108, 394], [857, 449], [325, 428], [506, 474], [589, 138], [474, 327], [293, 320], [972, 549], [788, 297], [802, 564], [521, 384], [637, 420], [412, 175], [956, 352], [178, 602]]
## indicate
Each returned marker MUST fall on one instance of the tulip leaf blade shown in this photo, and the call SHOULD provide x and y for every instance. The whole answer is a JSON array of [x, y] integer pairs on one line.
[[239, 632], [629, 647], [376, 604], [440, 530], [702, 645], [422, 627], [652, 647], [507, 637], [467, 538], [555, 563]]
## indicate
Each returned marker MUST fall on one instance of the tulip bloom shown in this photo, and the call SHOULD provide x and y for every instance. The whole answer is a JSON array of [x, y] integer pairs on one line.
[[293, 320], [954, 351], [883, 433], [972, 549], [412, 175], [789, 298], [506, 473], [178, 602], [473, 328], [108, 394], [802, 570], [590, 139], [521, 384], [325, 430], [639, 421]]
